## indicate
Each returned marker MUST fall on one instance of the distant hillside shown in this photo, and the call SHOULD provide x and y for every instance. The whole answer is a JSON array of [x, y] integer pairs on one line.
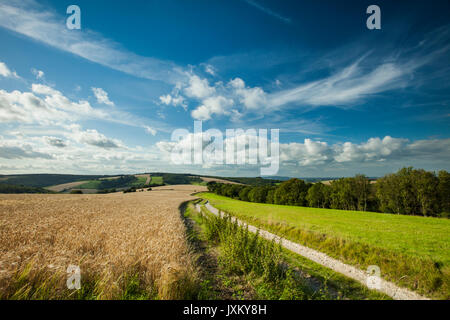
[[10, 188], [44, 180], [257, 181], [61, 182]]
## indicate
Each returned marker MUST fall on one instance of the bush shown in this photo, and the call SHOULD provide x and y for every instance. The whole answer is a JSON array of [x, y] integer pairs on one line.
[[76, 192], [244, 252], [132, 189]]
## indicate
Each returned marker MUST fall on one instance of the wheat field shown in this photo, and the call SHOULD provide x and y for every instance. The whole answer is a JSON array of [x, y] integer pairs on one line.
[[126, 245]]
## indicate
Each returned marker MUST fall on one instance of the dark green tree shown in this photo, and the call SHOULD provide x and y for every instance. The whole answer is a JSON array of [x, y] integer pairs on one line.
[[318, 195], [292, 192]]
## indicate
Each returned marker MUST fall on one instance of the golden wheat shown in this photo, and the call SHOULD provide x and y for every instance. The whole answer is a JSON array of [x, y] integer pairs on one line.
[[110, 237]]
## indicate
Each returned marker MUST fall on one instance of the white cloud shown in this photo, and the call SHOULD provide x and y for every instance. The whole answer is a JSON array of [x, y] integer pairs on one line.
[[56, 142], [199, 88], [373, 149], [56, 100], [252, 98], [102, 96], [210, 69], [39, 74], [5, 72], [150, 130], [44, 105], [25, 107], [314, 153], [350, 85], [174, 100], [214, 105], [308, 153], [8, 151], [268, 11], [94, 138]]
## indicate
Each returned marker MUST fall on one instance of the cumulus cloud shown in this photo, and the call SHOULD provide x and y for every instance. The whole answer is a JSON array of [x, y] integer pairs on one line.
[[308, 153], [214, 105], [199, 88], [252, 98], [5, 72], [20, 152], [56, 142], [94, 138], [26, 107], [313, 153], [43, 105], [102, 96], [374, 149]]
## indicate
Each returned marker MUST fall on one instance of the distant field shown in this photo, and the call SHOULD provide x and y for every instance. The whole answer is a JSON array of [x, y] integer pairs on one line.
[[415, 248], [90, 186], [66, 186], [110, 178], [156, 180], [141, 180], [207, 179], [93, 184]]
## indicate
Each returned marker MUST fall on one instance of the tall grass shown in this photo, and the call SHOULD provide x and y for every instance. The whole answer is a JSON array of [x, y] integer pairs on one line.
[[246, 253]]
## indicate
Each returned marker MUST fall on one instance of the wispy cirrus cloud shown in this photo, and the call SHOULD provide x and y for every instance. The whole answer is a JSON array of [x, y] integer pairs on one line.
[[30, 19], [268, 11]]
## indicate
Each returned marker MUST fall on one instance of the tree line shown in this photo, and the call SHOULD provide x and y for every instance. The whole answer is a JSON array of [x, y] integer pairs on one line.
[[409, 191]]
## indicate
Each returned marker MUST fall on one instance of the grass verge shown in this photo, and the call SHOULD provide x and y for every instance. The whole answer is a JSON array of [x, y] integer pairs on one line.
[[412, 252], [250, 267]]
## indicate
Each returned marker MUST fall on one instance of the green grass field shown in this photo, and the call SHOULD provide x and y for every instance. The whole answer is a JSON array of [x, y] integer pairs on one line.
[[411, 251], [139, 182], [156, 180], [93, 184]]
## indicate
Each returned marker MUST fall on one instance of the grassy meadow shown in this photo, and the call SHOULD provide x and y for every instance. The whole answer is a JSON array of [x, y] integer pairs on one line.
[[156, 180], [411, 251]]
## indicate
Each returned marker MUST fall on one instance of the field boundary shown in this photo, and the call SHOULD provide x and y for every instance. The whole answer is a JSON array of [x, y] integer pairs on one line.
[[323, 259]]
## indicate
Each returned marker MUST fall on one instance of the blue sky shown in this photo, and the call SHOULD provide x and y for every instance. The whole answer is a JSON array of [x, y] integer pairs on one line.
[[106, 98]]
